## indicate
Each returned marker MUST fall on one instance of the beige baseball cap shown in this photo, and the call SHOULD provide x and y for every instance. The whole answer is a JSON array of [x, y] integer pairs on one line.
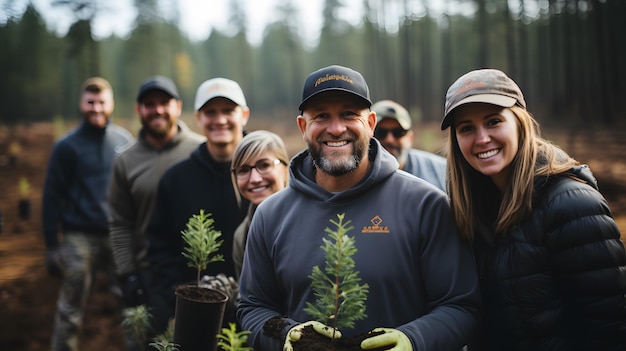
[[391, 109], [219, 87], [483, 85]]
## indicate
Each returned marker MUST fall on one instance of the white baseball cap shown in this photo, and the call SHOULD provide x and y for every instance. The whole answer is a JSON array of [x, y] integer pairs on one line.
[[219, 87]]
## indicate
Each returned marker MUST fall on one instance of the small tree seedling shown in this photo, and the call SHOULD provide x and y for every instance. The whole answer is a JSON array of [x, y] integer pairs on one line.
[[24, 187], [165, 340], [136, 322], [202, 242], [231, 340], [340, 298]]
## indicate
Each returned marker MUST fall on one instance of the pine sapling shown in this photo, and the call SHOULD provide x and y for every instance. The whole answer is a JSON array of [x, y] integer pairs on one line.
[[231, 340], [24, 187], [163, 345], [340, 298], [136, 322], [165, 340], [202, 242]]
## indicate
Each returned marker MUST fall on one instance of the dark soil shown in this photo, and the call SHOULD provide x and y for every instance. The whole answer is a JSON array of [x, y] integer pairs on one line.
[[28, 295], [194, 293], [313, 341]]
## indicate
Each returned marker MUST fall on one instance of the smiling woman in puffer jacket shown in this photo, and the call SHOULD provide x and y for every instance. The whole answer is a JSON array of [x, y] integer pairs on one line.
[[551, 262]]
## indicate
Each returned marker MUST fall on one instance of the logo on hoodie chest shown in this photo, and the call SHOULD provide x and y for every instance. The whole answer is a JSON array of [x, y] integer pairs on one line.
[[376, 226]]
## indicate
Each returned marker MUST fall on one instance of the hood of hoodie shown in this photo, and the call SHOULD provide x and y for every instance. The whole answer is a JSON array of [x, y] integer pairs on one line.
[[302, 174]]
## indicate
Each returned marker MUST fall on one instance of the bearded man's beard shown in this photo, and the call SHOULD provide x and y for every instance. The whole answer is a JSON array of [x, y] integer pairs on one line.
[[157, 133], [338, 167]]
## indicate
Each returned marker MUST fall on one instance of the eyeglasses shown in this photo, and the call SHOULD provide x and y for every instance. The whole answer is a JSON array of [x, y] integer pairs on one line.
[[263, 166], [381, 133]]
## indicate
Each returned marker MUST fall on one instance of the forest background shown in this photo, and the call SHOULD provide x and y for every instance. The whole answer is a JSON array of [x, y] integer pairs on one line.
[[567, 55]]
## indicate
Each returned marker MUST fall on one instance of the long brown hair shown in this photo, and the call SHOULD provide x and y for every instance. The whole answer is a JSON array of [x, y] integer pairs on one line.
[[464, 183]]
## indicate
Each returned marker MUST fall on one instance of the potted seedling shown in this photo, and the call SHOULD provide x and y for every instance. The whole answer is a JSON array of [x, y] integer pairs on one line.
[[340, 296], [199, 311], [24, 204], [232, 340]]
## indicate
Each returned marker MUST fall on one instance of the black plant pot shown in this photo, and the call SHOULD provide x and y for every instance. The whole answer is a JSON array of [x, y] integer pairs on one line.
[[198, 318], [24, 208]]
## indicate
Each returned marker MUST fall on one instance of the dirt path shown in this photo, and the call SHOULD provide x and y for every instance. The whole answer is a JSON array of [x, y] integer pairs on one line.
[[27, 294]]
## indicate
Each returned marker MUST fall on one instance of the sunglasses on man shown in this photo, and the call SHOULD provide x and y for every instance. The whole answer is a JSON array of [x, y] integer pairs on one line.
[[381, 133]]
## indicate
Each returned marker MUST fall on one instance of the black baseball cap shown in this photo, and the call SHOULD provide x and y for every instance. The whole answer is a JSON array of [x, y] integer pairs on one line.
[[486, 85], [161, 83], [337, 78]]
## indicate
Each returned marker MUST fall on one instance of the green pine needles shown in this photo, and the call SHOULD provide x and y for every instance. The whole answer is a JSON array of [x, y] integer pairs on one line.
[[165, 340], [202, 242], [136, 322], [231, 340], [340, 296]]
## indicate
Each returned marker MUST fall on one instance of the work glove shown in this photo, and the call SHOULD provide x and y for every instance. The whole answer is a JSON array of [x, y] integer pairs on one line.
[[391, 337], [133, 290], [294, 334], [227, 285], [54, 263]]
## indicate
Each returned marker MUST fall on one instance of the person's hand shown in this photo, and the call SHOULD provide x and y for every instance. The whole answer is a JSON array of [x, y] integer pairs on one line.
[[227, 285], [294, 334], [54, 265], [133, 290], [390, 337]]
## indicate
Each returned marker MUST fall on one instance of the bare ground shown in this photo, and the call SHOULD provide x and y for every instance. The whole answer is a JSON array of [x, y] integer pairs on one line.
[[28, 295]]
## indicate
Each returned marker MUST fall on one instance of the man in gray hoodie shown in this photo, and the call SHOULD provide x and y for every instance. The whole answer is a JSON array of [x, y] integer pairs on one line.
[[423, 286]]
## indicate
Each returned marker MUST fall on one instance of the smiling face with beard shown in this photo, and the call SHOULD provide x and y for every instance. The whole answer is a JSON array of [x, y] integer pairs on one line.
[[336, 163], [337, 128], [97, 107], [159, 113]]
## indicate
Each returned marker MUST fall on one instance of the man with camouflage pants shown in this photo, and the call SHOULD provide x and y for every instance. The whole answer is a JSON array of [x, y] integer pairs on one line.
[[75, 199]]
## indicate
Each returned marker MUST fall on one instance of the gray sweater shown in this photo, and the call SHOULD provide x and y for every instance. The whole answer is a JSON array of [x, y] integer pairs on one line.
[[136, 176]]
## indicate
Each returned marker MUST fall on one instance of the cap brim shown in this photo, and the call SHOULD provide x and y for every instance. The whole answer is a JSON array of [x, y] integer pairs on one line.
[[151, 89], [403, 124], [310, 97], [499, 100], [198, 106]]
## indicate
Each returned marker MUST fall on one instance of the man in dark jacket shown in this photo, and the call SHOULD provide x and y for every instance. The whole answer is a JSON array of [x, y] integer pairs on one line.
[[202, 181], [75, 202]]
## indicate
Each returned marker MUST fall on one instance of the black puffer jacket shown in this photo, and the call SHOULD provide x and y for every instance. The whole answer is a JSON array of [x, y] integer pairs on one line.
[[558, 280]]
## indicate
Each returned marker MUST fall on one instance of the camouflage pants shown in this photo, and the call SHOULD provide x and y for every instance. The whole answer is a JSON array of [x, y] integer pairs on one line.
[[82, 256]]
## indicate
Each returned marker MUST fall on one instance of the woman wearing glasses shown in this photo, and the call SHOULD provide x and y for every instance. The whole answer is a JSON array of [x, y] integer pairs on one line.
[[259, 170]]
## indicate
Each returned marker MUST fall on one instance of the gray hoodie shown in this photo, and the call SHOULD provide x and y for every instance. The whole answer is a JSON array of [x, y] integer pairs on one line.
[[422, 278]]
